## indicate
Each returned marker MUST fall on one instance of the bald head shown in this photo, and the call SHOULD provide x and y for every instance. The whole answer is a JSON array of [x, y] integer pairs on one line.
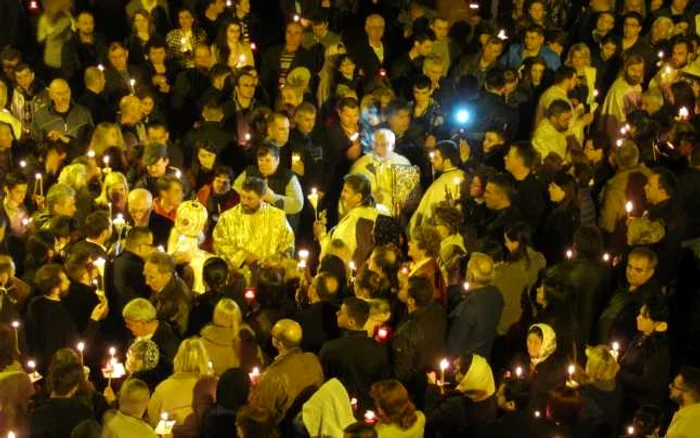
[[59, 92], [287, 333]]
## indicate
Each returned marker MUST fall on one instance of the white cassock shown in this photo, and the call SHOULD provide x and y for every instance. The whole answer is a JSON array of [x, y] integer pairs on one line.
[[190, 245], [380, 172], [450, 182], [622, 99], [348, 230]]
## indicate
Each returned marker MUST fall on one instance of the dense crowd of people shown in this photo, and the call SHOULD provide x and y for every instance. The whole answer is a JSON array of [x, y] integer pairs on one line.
[[350, 218]]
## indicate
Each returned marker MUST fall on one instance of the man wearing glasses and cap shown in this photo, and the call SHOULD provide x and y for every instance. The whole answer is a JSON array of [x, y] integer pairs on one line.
[[156, 161]]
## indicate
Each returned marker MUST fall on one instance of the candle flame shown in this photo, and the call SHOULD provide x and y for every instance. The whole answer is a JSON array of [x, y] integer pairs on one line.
[[606, 257], [518, 371], [629, 207], [81, 346], [31, 364], [571, 370], [444, 364], [15, 324]]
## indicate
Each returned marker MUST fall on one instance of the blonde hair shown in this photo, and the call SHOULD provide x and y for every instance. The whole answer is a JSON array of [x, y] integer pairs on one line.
[[112, 179], [601, 366], [192, 357], [579, 47], [228, 314], [97, 142], [74, 175]]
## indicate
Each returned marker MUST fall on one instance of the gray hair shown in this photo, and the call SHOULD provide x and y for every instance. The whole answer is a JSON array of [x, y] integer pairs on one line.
[[139, 310], [57, 194], [73, 175]]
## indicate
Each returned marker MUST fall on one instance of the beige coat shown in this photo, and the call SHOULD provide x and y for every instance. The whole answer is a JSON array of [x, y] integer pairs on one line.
[[285, 379], [220, 343], [174, 396]]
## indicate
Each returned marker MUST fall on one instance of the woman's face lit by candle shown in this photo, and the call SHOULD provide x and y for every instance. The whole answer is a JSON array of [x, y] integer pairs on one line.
[[534, 345], [233, 33]]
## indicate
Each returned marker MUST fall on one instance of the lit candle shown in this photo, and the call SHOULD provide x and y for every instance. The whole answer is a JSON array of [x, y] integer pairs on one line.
[[606, 257], [518, 372], [596, 93], [15, 327], [473, 6], [303, 254], [241, 60], [33, 5], [354, 137], [254, 376], [34, 375], [249, 294], [10, 434], [353, 270], [91, 153], [661, 54], [81, 348], [502, 34], [382, 334], [178, 173], [615, 350], [630, 430], [112, 352], [537, 414], [628, 208], [382, 72], [253, 46], [99, 264], [247, 136], [444, 365], [105, 160], [165, 425], [132, 85], [623, 130], [297, 17], [465, 285], [353, 403], [100, 67], [569, 254], [22, 164], [160, 248], [183, 44], [296, 157], [683, 113], [619, 142], [370, 417], [570, 382], [39, 180], [313, 199]]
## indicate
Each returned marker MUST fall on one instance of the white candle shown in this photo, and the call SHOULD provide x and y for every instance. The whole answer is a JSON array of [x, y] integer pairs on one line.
[[518, 372], [81, 348], [444, 365], [15, 327], [628, 208]]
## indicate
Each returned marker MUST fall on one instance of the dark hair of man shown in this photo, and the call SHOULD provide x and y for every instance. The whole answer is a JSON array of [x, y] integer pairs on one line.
[[667, 181], [66, 377], [656, 307], [156, 43], [323, 282], [360, 429], [254, 184], [14, 179], [377, 285], [449, 151], [558, 107], [166, 181], [136, 236], [397, 105], [48, 278], [504, 184], [588, 242], [347, 102], [224, 171], [427, 239], [563, 73], [22, 66], [421, 82], [215, 273], [163, 261], [266, 149], [76, 264], [360, 183], [357, 309], [425, 35], [527, 153], [691, 381], [610, 38], [535, 28], [10, 54], [492, 248], [634, 15], [495, 78], [420, 290], [96, 223]]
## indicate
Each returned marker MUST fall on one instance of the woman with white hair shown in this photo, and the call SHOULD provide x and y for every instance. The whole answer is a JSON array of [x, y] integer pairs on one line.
[[174, 395]]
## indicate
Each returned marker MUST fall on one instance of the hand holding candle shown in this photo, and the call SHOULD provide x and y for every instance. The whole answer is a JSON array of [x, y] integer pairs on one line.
[[615, 350], [254, 376], [165, 425], [313, 200]]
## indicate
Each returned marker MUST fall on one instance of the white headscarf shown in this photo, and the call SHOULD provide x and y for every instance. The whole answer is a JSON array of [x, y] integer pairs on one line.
[[549, 343], [478, 382]]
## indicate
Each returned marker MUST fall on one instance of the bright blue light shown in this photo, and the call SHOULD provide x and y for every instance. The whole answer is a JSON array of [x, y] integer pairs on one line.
[[462, 116]]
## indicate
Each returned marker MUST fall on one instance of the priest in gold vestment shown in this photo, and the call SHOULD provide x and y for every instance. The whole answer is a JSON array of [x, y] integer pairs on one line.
[[253, 231]]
